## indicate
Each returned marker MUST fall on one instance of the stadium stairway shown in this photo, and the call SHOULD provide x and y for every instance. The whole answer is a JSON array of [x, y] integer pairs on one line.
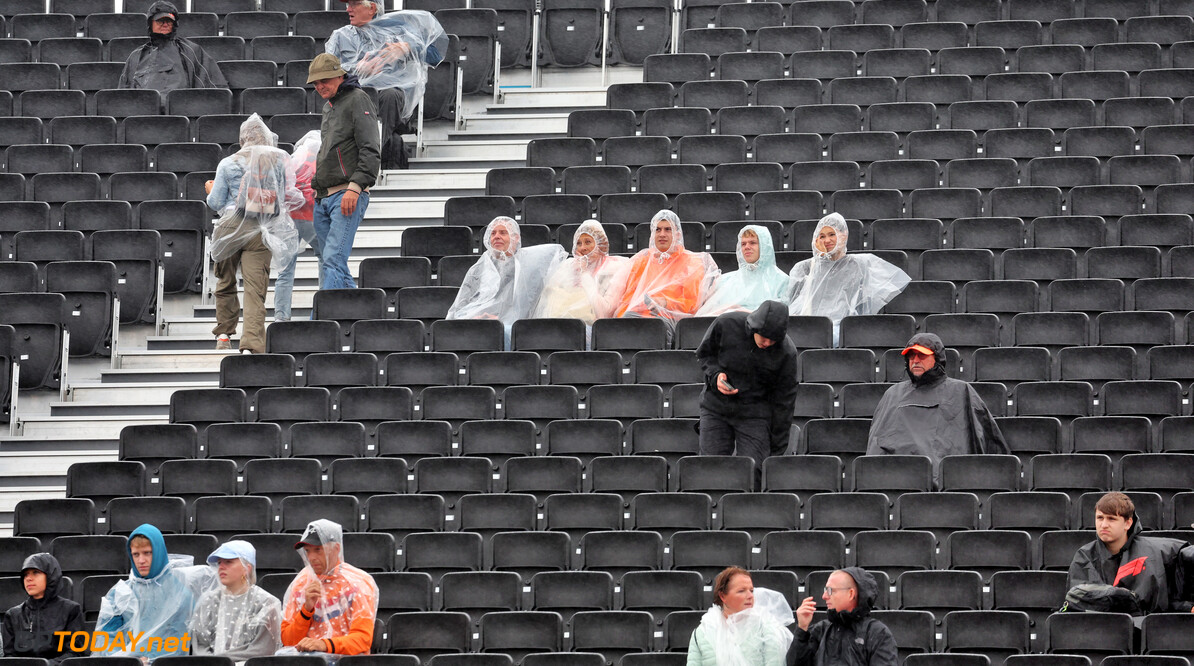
[[101, 396]]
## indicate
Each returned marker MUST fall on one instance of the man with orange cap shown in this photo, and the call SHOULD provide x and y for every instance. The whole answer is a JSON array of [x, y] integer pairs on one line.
[[930, 414]]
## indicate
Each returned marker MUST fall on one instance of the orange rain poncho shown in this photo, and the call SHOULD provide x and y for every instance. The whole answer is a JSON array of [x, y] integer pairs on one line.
[[669, 284]]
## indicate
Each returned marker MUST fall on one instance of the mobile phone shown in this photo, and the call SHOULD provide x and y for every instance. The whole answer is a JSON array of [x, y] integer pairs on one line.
[[729, 386]]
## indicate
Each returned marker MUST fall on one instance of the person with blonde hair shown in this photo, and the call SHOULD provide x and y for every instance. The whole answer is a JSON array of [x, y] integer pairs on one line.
[[746, 626], [837, 285], [240, 620], [583, 287]]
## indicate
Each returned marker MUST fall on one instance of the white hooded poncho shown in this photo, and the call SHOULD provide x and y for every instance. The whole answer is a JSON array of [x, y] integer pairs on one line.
[[757, 636], [583, 287], [836, 285], [746, 288], [238, 626]]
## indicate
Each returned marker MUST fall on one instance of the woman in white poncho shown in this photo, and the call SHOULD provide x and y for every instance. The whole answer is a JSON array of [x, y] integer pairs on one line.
[[757, 279], [507, 279], [583, 286], [836, 285], [239, 620], [746, 626]]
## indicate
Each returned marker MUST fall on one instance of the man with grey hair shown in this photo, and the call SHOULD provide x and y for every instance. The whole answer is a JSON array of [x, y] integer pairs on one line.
[[389, 53]]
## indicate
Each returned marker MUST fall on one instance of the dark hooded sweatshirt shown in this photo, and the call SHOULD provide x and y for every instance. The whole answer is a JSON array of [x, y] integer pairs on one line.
[[765, 378], [852, 638], [933, 415], [169, 62], [1153, 568], [29, 628]]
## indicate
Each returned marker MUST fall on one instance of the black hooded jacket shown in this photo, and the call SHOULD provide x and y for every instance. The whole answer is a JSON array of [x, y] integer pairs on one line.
[[169, 62], [350, 148], [29, 627], [765, 378], [851, 638], [1153, 568]]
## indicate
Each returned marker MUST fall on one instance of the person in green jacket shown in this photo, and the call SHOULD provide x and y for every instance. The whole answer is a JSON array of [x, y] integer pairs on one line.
[[746, 626]]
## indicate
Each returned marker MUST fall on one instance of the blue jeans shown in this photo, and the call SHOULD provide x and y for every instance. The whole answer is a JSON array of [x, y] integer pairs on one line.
[[335, 232], [284, 283]]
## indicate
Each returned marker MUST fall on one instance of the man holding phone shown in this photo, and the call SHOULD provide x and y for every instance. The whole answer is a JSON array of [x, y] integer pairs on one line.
[[750, 384]]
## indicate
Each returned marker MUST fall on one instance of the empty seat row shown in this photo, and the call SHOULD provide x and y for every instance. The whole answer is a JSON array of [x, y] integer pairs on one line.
[[142, 131]]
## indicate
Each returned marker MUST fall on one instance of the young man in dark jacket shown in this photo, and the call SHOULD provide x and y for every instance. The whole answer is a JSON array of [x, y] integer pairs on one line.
[[348, 164], [850, 637], [1154, 569], [750, 383], [167, 62], [29, 627]]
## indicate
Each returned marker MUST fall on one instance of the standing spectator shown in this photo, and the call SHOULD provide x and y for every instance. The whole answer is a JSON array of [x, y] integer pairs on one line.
[[1150, 573], [750, 383], [390, 53], [168, 62], [665, 280], [253, 193], [756, 280], [850, 637], [346, 168], [930, 414], [330, 606], [239, 620], [29, 626], [746, 625], [835, 284], [155, 603], [302, 161]]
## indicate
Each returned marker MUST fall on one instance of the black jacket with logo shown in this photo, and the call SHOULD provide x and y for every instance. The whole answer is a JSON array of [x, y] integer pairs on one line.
[[1155, 569], [852, 638]]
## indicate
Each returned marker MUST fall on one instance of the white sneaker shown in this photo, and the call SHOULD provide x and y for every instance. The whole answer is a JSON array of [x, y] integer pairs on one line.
[[223, 342]]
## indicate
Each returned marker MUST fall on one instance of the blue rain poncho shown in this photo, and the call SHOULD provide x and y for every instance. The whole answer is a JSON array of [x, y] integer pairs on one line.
[[155, 606], [746, 288], [756, 636], [583, 286], [505, 284], [836, 285], [369, 52], [233, 622]]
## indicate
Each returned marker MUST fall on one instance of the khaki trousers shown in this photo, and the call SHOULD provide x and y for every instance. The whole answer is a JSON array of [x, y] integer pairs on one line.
[[253, 260]]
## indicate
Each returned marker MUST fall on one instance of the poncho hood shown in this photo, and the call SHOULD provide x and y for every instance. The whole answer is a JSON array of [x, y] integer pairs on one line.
[[160, 7], [868, 591], [47, 564], [160, 557], [937, 373], [769, 320]]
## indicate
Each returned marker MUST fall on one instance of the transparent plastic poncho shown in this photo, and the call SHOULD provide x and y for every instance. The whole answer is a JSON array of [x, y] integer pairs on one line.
[[302, 163], [746, 288], [752, 637], [158, 605], [261, 203], [369, 52], [669, 284], [347, 596], [505, 284], [238, 625], [583, 286], [836, 285]]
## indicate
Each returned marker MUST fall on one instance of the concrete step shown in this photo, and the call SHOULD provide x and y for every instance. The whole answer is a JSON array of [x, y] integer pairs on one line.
[[143, 358], [480, 163], [398, 182], [508, 149], [152, 405], [133, 393], [45, 426], [545, 98], [136, 375], [517, 124], [82, 445], [408, 206], [46, 464]]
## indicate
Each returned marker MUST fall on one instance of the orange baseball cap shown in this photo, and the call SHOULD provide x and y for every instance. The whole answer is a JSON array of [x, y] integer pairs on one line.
[[919, 349]]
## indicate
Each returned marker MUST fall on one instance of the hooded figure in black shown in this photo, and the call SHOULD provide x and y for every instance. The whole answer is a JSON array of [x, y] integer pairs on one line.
[[750, 383], [930, 414], [1154, 569], [167, 62], [29, 627], [850, 637]]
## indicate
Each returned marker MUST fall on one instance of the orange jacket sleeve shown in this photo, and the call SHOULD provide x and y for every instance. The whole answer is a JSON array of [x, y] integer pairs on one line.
[[295, 626], [360, 632]]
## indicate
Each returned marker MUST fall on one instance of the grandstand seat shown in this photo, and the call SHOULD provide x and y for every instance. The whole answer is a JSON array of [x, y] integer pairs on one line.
[[805, 476], [632, 45], [940, 592], [192, 479], [327, 442], [941, 513], [47, 519], [993, 635], [154, 444], [427, 634], [39, 322], [848, 512], [614, 634], [602, 123], [278, 478], [894, 551], [1093, 635], [288, 406], [662, 592], [669, 512], [912, 630], [223, 516], [990, 551], [759, 513], [103, 481], [1071, 473]]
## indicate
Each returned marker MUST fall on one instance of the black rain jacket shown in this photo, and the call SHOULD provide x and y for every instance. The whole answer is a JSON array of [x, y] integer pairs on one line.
[[169, 62], [852, 638], [1155, 569], [29, 627]]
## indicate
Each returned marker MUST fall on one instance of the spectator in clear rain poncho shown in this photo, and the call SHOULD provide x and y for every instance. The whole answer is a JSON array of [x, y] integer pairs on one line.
[[30, 625], [507, 280], [836, 285], [239, 620], [746, 626], [756, 280], [330, 606], [154, 604], [167, 61], [253, 193], [583, 286], [390, 52], [302, 161], [666, 281]]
